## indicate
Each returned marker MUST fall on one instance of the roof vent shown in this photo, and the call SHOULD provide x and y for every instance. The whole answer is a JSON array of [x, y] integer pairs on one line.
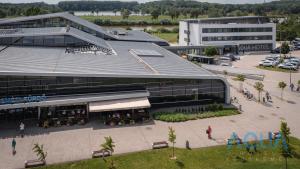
[[146, 53]]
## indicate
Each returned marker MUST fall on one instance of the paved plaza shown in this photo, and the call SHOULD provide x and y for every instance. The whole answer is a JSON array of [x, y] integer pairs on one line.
[[77, 142]]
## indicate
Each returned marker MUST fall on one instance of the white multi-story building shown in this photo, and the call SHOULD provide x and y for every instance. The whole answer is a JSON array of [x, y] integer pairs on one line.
[[249, 33]]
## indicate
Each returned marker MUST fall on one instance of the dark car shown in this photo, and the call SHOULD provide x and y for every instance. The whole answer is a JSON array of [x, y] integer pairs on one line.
[[276, 50]]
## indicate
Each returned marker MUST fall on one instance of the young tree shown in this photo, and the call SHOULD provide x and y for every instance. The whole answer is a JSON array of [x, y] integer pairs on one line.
[[172, 139], [39, 150], [285, 146], [211, 51], [241, 78], [109, 146], [282, 85], [285, 48], [259, 86]]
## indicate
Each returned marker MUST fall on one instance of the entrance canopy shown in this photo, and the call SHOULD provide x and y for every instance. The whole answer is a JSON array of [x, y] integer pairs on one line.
[[78, 99], [120, 104]]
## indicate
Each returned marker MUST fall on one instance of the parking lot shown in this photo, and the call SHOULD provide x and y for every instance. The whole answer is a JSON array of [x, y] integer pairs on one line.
[[290, 62]]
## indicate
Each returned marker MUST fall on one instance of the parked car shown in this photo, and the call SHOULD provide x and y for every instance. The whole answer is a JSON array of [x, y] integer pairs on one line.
[[224, 64], [232, 56], [297, 47], [287, 66], [276, 50], [261, 62], [268, 63], [295, 59]]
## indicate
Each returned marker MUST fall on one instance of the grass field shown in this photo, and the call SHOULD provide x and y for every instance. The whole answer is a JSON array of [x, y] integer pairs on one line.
[[275, 69], [170, 37], [219, 157], [134, 18]]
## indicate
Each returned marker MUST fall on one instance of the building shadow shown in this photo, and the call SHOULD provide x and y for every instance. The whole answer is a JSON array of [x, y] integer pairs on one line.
[[11, 130]]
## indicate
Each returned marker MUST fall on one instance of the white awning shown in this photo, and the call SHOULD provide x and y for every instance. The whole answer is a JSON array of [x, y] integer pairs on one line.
[[121, 104]]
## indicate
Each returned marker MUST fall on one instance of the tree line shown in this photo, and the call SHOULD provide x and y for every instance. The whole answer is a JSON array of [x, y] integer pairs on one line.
[[173, 8], [26, 9]]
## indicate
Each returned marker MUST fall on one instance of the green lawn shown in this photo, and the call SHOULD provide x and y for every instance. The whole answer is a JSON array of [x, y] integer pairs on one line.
[[170, 37], [275, 69], [219, 157]]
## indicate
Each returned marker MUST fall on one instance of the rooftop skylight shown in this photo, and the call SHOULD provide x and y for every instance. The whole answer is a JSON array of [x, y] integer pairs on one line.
[[146, 53]]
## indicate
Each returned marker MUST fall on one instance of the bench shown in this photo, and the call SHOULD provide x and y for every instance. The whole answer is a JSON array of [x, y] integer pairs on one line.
[[34, 163], [100, 153], [161, 144]]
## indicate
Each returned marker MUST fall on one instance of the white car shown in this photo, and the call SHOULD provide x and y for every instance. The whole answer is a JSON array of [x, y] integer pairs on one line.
[[295, 59], [287, 66], [268, 63], [224, 64]]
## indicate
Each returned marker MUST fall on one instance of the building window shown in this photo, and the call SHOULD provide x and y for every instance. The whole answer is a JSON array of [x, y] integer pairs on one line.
[[225, 30]]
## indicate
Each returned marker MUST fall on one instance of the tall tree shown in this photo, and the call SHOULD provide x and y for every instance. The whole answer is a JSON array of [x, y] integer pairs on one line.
[[155, 13], [125, 13], [172, 139], [282, 85], [259, 86], [2, 14]]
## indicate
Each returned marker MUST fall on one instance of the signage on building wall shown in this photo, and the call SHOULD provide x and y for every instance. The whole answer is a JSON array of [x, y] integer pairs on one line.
[[28, 99]]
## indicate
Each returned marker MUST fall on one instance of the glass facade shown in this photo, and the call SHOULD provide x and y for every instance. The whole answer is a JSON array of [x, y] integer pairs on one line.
[[54, 41], [226, 30], [163, 92], [51, 22], [236, 38]]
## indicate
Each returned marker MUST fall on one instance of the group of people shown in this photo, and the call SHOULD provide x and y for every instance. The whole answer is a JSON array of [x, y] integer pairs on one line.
[[268, 97], [248, 94]]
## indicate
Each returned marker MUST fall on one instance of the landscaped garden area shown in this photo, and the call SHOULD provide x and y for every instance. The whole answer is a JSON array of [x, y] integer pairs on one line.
[[277, 69], [218, 157], [181, 115]]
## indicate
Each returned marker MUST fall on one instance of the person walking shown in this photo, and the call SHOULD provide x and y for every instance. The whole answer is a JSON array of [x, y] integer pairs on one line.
[[292, 87], [22, 128], [13, 145], [208, 132]]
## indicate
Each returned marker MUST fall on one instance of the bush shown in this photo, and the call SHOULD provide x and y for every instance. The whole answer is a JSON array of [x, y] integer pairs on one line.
[[181, 115]]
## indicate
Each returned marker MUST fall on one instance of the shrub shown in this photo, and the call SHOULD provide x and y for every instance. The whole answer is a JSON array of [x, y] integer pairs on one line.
[[187, 115]]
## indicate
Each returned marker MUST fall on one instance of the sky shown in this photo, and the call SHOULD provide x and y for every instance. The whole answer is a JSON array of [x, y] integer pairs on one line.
[[213, 1]]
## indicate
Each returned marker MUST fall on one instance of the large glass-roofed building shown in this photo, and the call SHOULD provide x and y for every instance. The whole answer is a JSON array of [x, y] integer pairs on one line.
[[51, 68]]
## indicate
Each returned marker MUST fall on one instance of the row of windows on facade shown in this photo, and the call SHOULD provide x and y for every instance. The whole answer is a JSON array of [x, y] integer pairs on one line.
[[44, 41], [236, 38], [51, 22], [36, 80], [235, 20], [225, 30]]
